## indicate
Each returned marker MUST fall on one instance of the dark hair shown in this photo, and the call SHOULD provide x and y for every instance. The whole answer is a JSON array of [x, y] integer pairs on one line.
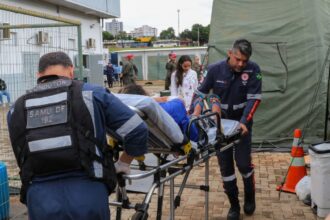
[[121, 63], [244, 46], [54, 58], [179, 70], [133, 89]]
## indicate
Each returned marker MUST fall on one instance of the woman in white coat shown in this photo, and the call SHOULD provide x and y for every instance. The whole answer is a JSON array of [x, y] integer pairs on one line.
[[184, 80]]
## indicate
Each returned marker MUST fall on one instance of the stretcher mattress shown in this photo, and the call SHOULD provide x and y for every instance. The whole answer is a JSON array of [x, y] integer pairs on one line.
[[161, 124]]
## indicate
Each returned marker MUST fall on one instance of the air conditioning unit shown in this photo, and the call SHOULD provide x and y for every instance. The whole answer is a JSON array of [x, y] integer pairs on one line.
[[91, 43], [42, 37], [5, 33]]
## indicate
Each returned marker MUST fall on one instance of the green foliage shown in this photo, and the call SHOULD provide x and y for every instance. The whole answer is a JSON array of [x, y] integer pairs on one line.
[[107, 35], [122, 35], [186, 34], [169, 33], [203, 35], [192, 34]]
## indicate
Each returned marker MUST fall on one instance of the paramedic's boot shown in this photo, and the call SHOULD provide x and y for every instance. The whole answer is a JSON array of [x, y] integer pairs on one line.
[[249, 195], [232, 192], [234, 211]]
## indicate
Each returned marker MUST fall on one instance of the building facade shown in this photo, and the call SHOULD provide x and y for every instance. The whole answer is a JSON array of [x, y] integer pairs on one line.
[[114, 27], [38, 33], [144, 31]]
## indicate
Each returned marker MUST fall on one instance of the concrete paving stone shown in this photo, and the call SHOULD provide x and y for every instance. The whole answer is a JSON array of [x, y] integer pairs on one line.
[[269, 172]]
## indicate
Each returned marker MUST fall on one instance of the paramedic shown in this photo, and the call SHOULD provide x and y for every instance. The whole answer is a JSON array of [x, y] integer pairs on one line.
[[58, 134], [129, 70], [237, 82]]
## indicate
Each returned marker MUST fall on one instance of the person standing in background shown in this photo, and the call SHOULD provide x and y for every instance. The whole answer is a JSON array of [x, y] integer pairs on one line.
[[170, 68], [4, 92], [109, 71], [197, 66], [184, 81], [120, 70], [130, 71]]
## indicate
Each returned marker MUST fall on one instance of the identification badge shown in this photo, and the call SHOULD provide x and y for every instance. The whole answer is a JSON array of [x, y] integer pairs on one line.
[[46, 116]]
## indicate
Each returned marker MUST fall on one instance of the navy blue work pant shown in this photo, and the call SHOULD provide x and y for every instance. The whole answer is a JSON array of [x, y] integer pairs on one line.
[[241, 153], [69, 198]]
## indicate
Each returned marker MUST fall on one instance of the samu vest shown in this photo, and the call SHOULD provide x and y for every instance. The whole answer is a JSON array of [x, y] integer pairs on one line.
[[52, 132]]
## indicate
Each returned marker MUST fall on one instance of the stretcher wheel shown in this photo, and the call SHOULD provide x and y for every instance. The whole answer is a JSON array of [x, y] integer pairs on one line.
[[139, 215]]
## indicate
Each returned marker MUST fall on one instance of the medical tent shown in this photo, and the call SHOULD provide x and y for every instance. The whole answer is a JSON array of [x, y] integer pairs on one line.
[[290, 40]]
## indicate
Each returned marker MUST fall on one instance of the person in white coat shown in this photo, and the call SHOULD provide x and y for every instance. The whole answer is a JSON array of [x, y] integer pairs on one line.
[[184, 81]]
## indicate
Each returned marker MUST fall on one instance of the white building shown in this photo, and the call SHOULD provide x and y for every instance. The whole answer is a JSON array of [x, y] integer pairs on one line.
[[21, 50], [144, 31], [114, 27]]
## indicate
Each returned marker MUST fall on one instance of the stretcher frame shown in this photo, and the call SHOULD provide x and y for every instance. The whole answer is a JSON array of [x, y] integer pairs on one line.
[[167, 171]]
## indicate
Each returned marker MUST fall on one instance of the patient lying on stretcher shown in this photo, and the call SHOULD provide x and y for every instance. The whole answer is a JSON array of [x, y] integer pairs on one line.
[[173, 106]]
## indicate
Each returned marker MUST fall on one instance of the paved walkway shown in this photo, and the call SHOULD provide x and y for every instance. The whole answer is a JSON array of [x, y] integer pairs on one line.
[[269, 170]]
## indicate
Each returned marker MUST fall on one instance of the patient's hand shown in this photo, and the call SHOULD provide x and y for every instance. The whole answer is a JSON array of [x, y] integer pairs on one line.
[[244, 129]]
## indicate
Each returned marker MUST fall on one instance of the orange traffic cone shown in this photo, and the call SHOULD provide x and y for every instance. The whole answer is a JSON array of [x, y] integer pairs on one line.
[[297, 169]]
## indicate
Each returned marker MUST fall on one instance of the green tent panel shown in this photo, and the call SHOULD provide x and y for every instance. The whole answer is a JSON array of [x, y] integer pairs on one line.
[[290, 42]]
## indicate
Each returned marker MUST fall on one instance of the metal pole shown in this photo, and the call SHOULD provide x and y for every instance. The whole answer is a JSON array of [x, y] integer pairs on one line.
[[207, 167], [38, 14], [198, 35], [119, 199], [24, 26], [160, 201], [172, 199], [80, 55], [178, 23]]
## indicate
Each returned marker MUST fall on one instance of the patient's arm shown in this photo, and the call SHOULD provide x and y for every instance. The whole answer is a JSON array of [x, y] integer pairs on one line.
[[215, 103], [124, 157]]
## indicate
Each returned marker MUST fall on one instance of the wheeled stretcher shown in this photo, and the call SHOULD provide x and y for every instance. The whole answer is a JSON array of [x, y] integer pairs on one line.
[[165, 139]]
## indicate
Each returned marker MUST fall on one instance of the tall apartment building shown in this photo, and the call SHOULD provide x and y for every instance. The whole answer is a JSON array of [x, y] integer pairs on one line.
[[114, 27], [144, 31]]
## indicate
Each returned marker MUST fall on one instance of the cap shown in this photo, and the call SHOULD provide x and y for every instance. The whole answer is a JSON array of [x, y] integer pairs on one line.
[[173, 55], [129, 56]]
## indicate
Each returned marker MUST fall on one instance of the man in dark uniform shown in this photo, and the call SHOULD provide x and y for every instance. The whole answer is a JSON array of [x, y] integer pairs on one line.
[[129, 71], [58, 134], [237, 82], [170, 68], [109, 72]]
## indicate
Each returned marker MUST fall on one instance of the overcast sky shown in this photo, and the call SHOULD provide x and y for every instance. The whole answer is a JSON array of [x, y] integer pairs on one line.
[[162, 14]]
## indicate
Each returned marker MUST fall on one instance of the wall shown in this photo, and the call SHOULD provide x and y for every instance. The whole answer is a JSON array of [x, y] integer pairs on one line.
[[151, 62]]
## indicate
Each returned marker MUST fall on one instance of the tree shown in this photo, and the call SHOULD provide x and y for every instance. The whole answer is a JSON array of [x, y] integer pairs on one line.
[[107, 35], [203, 35], [122, 35], [186, 34], [169, 33]]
